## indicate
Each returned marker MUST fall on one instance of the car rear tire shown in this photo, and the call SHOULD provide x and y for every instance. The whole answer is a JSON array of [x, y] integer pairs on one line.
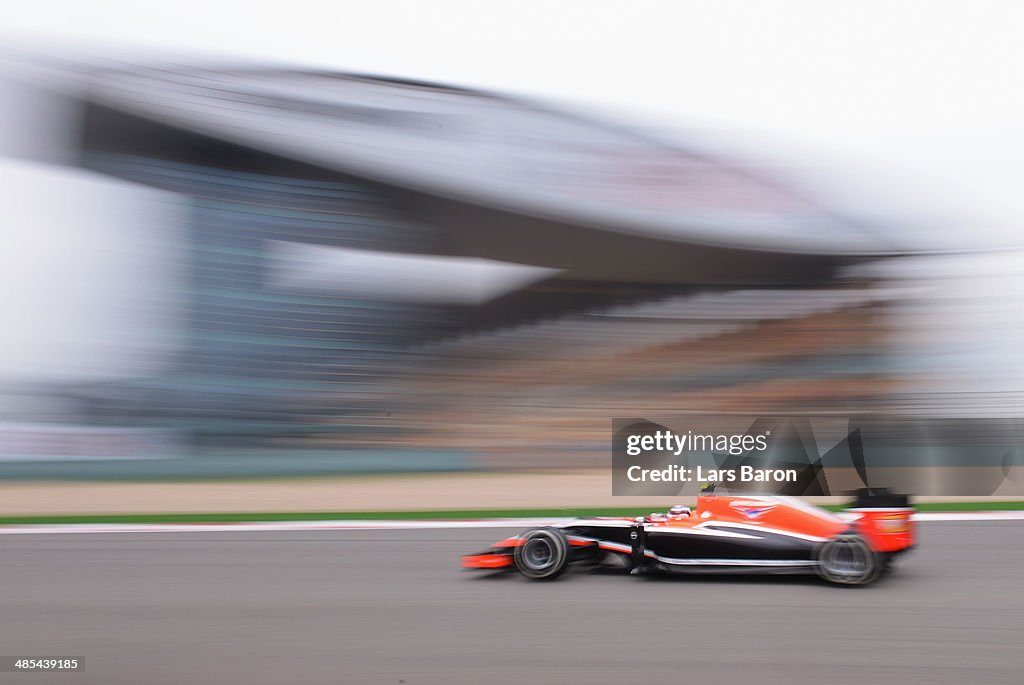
[[849, 560], [543, 554]]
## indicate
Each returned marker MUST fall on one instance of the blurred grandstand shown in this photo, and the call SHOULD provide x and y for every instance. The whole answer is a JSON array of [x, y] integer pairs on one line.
[[465, 280]]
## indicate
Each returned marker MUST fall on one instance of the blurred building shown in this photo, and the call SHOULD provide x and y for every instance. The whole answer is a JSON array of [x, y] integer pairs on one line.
[[378, 263]]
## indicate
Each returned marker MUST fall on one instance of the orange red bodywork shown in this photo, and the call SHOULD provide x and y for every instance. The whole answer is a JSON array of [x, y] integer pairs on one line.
[[887, 529]]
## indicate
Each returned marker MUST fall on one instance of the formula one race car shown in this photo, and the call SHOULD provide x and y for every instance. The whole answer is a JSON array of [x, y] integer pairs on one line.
[[726, 534]]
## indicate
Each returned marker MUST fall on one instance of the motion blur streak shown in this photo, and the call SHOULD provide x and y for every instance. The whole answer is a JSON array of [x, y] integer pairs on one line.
[[256, 262]]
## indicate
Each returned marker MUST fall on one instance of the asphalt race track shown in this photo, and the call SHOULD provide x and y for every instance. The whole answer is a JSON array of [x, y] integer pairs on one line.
[[393, 607]]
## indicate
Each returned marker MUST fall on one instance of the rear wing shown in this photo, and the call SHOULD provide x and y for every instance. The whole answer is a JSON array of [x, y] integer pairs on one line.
[[884, 518], [879, 498]]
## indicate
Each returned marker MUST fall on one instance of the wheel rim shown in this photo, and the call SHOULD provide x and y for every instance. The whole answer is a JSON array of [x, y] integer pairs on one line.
[[537, 554], [847, 561]]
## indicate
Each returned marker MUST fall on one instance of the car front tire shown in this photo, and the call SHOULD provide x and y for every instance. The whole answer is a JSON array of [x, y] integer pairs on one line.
[[543, 554]]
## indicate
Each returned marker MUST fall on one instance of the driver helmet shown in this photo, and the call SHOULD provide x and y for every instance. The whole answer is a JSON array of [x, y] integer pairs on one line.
[[679, 511]]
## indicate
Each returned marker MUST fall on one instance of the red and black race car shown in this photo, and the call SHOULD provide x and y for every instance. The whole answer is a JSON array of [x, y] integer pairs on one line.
[[725, 534]]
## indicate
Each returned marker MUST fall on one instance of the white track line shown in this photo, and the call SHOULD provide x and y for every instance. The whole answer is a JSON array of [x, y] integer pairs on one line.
[[270, 526], [264, 526], [970, 516]]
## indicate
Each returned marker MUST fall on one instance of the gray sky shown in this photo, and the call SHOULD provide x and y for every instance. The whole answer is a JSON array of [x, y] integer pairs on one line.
[[911, 108]]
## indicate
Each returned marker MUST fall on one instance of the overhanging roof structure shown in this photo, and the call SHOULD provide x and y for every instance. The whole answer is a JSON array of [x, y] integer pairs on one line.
[[483, 164]]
